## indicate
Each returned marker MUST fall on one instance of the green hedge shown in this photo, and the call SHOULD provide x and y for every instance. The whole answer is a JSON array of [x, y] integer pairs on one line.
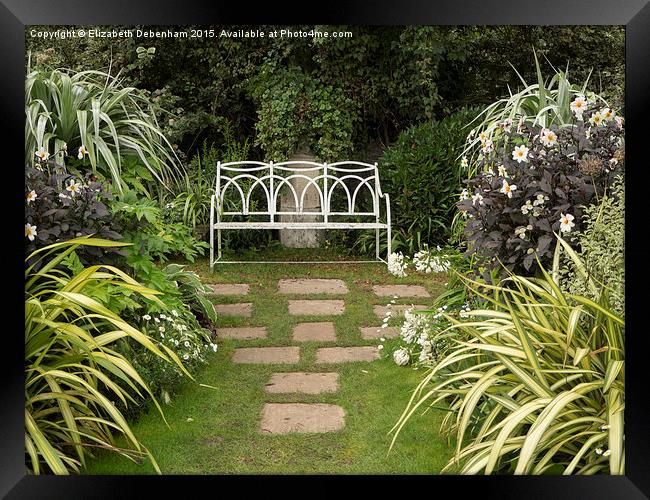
[[421, 172]]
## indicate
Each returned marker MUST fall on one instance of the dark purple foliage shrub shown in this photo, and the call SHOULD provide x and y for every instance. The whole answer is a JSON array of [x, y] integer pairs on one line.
[[534, 182], [60, 207]]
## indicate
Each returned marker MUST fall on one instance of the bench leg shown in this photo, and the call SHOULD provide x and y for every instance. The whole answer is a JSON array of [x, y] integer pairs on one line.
[[218, 244], [390, 243], [377, 243]]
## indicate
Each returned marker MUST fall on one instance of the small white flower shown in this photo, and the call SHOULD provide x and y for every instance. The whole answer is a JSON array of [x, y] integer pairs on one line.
[[520, 153], [156, 320], [578, 106], [596, 119], [526, 207], [607, 114], [186, 356], [463, 162], [505, 125], [82, 152], [382, 339], [380, 347], [507, 189], [598, 451], [502, 171], [73, 186], [31, 196], [174, 312], [30, 232], [42, 154], [161, 328], [486, 146], [477, 197], [401, 357], [566, 223], [186, 344], [162, 316], [548, 137], [146, 317], [607, 453], [464, 195], [521, 232]]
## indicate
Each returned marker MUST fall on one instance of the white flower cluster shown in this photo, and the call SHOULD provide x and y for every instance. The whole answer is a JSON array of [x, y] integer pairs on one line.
[[418, 332], [174, 331], [397, 264], [425, 262]]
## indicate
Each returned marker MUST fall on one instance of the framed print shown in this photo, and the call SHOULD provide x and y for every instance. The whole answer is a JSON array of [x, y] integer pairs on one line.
[[369, 243]]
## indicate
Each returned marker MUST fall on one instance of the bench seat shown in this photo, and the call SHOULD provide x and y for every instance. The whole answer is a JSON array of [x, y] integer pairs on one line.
[[300, 225]]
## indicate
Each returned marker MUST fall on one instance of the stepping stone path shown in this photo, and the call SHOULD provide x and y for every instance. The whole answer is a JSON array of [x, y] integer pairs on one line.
[[396, 309], [319, 332], [346, 354], [304, 383], [400, 291], [285, 418], [316, 307], [243, 309], [243, 333], [266, 355], [312, 286], [230, 289], [376, 332]]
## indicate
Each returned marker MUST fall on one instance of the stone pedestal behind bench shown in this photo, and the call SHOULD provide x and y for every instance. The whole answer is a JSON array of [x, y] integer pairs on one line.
[[301, 238]]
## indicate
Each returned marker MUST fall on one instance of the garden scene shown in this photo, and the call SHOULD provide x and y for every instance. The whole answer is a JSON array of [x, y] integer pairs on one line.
[[388, 250]]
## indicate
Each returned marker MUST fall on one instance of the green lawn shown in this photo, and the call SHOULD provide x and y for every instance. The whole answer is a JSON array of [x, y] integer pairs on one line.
[[223, 436]]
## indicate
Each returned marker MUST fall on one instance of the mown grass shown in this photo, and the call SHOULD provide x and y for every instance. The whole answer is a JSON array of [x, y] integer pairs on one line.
[[223, 435]]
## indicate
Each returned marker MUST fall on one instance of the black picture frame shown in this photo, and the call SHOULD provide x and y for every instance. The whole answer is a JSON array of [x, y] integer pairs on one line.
[[15, 15]]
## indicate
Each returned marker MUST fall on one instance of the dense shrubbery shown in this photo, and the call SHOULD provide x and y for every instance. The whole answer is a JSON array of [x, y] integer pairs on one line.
[[535, 181], [601, 244], [422, 175]]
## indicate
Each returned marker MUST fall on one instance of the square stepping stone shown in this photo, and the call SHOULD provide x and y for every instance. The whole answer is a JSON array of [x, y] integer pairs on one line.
[[400, 291], [241, 309], [396, 309], [243, 333], [266, 355], [346, 354], [311, 285], [314, 332], [305, 383], [316, 307], [375, 332], [230, 289], [286, 418]]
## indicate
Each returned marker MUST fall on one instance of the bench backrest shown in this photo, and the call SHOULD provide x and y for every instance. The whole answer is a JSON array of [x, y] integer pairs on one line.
[[346, 180]]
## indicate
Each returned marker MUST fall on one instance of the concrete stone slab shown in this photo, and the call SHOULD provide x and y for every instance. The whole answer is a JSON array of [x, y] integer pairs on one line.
[[266, 355], [346, 354], [286, 418], [305, 383], [242, 333], [322, 331], [240, 309], [396, 309], [230, 289], [311, 286], [375, 332], [316, 307], [400, 291]]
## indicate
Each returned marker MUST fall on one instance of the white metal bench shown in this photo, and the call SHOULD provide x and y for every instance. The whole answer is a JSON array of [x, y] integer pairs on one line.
[[345, 179]]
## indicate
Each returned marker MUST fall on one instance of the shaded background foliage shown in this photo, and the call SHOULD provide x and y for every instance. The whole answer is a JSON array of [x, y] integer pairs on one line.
[[345, 97]]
